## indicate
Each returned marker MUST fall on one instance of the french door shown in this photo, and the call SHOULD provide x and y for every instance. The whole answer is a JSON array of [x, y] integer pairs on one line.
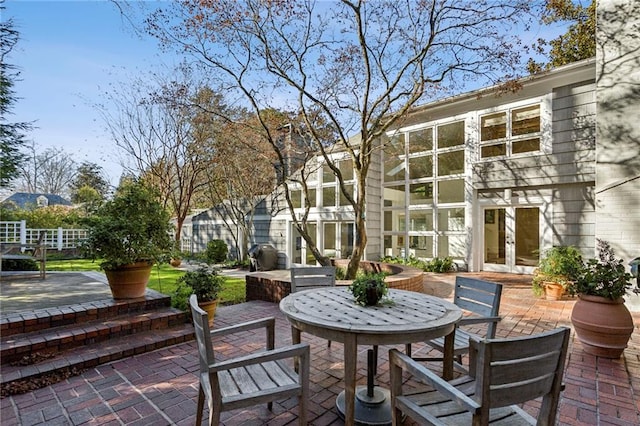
[[511, 239]]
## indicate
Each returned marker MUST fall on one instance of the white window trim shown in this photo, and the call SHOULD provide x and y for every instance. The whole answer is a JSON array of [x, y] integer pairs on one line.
[[546, 125]]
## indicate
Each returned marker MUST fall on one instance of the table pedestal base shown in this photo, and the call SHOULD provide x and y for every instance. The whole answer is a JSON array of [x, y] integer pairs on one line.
[[374, 410]]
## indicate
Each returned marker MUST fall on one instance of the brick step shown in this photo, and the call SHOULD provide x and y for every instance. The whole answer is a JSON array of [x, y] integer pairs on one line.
[[99, 353], [57, 339], [41, 319]]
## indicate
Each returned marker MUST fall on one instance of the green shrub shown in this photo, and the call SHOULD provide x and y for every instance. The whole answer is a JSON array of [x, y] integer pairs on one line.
[[19, 265], [216, 252], [203, 282], [440, 265]]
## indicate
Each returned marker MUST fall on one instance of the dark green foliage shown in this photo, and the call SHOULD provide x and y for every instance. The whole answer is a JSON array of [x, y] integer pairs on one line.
[[205, 283], [216, 252], [434, 265], [559, 264], [605, 276], [12, 135], [130, 228], [440, 265], [19, 265], [363, 282]]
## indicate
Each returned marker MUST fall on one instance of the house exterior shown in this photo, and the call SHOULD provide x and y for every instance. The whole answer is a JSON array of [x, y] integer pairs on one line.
[[492, 179], [26, 200]]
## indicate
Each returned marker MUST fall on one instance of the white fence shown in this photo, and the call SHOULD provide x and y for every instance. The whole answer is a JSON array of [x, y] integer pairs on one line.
[[57, 239]]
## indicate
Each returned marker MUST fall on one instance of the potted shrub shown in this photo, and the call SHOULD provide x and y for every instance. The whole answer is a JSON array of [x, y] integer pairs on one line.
[[369, 289], [601, 320], [205, 283], [558, 268], [129, 234]]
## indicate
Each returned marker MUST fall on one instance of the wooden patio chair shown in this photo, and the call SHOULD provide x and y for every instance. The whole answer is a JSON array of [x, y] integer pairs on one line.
[[308, 277], [502, 373], [248, 380], [480, 300]]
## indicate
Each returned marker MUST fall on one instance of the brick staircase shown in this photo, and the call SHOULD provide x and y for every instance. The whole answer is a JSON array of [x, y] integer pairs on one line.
[[44, 342]]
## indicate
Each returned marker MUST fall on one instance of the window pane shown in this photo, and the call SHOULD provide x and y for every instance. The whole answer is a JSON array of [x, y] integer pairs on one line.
[[421, 193], [346, 168], [451, 219], [312, 197], [327, 174], [420, 167], [394, 245], [493, 150], [296, 198], [451, 135], [394, 159], [527, 145], [329, 196], [343, 199], [451, 163], [394, 196], [347, 231], [451, 191], [421, 246], [330, 239], [525, 120], [421, 220], [493, 126], [309, 258], [451, 245], [394, 220], [421, 140]]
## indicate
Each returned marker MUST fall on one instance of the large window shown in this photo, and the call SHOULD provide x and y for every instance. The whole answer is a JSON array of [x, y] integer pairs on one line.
[[432, 221], [510, 132]]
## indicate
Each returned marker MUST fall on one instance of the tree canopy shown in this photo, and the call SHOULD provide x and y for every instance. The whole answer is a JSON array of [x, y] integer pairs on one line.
[[579, 42], [12, 134], [357, 66]]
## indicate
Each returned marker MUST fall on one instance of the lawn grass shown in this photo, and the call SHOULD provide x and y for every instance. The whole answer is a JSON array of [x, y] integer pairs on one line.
[[163, 278]]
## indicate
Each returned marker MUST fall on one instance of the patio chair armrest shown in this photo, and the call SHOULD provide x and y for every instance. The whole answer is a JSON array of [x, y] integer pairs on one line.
[[301, 350], [423, 374], [268, 323], [478, 320]]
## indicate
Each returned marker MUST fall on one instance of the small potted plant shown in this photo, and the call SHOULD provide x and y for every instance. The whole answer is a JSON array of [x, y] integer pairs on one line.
[[600, 318], [205, 283], [128, 234], [558, 268], [369, 289]]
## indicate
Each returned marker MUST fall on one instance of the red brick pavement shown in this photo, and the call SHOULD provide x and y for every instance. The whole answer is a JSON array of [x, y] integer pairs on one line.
[[160, 388]]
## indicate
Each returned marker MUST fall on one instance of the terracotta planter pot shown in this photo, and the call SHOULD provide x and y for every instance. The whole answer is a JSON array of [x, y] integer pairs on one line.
[[553, 290], [603, 326], [129, 281], [210, 309]]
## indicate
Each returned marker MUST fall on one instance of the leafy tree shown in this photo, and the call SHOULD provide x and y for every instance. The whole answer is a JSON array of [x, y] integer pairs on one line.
[[12, 134], [89, 184], [164, 135], [357, 66], [579, 42]]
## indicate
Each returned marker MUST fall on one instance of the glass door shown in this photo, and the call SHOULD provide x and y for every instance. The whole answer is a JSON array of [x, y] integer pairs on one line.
[[511, 239], [300, 256]]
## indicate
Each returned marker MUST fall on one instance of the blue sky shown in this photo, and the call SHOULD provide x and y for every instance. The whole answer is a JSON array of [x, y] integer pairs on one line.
[[68, 53]]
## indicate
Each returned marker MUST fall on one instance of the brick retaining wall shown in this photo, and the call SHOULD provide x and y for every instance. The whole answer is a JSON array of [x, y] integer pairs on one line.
[[272, 286]]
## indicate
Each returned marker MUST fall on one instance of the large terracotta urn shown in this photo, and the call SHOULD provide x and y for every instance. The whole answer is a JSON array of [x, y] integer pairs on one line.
[[604, 326], [129, 281]]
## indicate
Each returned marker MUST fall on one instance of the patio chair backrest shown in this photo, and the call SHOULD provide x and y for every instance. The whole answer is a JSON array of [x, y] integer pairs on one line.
[[312, 277], [202, 332], [516, 370], [480, 297]]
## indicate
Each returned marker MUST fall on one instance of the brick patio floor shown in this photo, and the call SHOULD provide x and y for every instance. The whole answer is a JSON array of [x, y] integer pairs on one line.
[[160, 388]]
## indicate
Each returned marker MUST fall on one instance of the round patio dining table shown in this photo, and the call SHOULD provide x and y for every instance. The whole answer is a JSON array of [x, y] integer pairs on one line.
[[332, 313]]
